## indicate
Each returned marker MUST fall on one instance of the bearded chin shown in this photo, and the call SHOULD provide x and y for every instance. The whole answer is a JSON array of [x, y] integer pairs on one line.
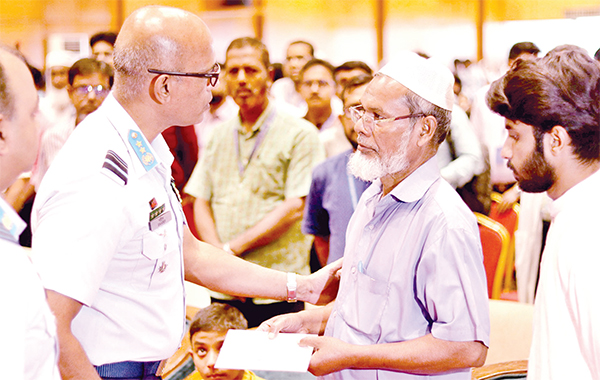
[[538, 176], [371, 168], [362, 167]]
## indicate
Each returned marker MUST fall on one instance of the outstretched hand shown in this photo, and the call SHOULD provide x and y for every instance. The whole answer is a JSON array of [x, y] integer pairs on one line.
[[289, 323], [323, 285]]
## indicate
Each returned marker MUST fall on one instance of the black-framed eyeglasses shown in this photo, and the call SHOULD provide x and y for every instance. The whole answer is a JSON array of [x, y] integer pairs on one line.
[[212, 75], [98, 90], [358, 112]]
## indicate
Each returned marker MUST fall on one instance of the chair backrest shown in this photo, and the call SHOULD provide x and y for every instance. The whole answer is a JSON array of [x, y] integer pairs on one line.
[[501, 371], [495, 242], [509, 218]]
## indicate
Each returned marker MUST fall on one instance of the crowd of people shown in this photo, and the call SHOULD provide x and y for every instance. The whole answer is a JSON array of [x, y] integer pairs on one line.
[[150, 164]]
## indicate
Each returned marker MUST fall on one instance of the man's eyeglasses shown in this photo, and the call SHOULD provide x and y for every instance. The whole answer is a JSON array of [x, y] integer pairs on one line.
[[99, 90], [212, 75], [358, 112]]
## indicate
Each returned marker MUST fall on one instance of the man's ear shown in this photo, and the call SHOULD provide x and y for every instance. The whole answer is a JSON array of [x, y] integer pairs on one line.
[[426, 130], [160, 87], [557, 140], [70, 91], [271, 75]]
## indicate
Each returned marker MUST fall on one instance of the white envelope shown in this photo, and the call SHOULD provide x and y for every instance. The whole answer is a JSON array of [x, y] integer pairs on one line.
[[254, 350]]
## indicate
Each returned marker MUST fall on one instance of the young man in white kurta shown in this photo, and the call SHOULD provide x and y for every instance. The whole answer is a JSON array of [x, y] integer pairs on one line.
[[553, 145]]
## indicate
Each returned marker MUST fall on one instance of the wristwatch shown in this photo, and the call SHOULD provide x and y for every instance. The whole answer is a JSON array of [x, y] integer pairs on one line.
[[291, 287]]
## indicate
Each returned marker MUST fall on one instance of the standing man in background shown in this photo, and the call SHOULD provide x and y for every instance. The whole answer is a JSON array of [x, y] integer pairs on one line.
[[89, 84], [317, 87], [286, 90], [103, 47], [345, 72], [251, 183], [334, 192]]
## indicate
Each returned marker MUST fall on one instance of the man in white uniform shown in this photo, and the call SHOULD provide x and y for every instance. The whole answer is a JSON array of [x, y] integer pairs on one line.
[[113, 248], [28, 343], [551, 106]]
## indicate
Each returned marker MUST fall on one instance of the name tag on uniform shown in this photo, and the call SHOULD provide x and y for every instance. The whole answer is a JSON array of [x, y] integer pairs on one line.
[[158, 217]]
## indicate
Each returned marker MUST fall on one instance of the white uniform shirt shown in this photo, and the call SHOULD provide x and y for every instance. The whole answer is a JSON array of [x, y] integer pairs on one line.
[[566, 324], [108, 233], [28, 342]]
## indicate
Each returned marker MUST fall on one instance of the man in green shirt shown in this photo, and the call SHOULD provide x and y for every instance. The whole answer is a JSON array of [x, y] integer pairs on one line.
[[251, 183]]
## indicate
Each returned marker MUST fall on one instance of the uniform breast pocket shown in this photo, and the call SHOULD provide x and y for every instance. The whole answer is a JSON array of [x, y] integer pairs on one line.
[[364, 306], [158, 263]]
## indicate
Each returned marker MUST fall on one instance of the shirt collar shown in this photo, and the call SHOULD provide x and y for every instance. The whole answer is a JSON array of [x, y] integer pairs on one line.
[[124, 124], [413, 187], [586, 189], [259, 123]]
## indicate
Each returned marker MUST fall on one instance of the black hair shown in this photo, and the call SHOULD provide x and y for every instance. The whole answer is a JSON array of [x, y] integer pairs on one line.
[[108, 37]]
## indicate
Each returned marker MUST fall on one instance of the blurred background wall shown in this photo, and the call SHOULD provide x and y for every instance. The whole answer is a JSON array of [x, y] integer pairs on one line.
[[369, 30]]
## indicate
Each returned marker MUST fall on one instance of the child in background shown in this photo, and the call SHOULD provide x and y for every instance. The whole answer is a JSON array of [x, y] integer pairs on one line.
[[207, 333]]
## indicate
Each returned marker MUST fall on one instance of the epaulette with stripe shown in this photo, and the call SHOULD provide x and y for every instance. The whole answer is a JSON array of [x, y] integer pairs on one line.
[[115, 168], [6, 235]]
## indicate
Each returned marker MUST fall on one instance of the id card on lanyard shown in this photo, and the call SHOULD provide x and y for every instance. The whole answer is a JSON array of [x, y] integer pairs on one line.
[[259, 139]]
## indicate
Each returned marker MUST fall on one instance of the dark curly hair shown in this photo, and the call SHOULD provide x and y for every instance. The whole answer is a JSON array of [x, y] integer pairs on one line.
[[562, 88]]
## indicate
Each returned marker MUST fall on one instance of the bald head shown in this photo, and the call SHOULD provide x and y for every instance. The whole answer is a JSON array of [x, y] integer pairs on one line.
[[161, 38], [19, 134]]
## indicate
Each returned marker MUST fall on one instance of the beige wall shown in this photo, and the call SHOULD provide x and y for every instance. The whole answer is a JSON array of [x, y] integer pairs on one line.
[[28, 23]]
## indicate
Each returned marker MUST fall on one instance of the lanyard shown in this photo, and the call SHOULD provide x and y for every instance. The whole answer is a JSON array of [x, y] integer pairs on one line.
[[261, 135]]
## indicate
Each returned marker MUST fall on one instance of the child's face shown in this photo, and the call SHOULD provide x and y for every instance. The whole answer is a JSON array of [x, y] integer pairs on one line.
[[206, 346]]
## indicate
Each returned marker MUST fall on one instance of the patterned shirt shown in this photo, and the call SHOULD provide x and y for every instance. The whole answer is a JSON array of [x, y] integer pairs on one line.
[[242, 192]]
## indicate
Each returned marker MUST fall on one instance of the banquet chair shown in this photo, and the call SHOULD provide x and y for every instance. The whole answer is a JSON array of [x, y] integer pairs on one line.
[[495, 242], [509, 219], [501, 371]]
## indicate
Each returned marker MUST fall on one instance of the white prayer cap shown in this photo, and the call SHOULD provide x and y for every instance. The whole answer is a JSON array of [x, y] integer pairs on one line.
[[425, 77]]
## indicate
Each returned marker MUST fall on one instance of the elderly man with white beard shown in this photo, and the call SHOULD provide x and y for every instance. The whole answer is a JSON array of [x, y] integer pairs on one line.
[[412, 298]]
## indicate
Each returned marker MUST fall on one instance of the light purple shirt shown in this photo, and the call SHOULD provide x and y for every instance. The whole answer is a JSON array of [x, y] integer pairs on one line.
[[413, 265]]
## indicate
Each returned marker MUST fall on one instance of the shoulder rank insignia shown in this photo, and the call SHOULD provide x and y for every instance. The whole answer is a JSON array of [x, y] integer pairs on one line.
[[10, 229], [115, 167], [138, 142]]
